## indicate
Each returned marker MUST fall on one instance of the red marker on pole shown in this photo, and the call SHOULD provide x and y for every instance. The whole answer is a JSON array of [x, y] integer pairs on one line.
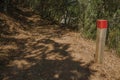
[[101, 37], [103, 24]]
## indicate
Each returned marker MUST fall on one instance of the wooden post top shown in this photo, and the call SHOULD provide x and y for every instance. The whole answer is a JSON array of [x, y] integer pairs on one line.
[[102, 24]]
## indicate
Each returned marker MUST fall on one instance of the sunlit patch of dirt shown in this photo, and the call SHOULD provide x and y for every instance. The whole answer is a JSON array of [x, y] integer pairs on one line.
[[55, 56], [7, 47], [34, 18], [21, 64]]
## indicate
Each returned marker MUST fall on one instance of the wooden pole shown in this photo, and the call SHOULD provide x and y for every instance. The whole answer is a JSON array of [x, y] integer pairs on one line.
[[100, 42]]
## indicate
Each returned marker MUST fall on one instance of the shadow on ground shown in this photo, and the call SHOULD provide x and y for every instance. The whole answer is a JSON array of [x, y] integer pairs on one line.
[[44, 59], [26, 17], [39, 58]]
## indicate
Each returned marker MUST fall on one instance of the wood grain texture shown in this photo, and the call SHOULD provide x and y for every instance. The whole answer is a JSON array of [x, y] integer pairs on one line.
[[100, 43]]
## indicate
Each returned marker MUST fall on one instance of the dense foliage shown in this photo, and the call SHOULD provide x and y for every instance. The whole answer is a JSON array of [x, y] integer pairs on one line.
[[79, 14]]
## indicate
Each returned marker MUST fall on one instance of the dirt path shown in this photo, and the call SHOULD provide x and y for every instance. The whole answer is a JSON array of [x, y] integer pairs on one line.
[[49, 53]]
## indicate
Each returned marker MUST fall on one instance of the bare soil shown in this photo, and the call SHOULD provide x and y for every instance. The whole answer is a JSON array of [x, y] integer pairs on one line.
[[46, 52]]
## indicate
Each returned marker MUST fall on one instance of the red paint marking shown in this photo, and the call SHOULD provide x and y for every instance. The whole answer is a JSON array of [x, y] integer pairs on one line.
[[102, 24]]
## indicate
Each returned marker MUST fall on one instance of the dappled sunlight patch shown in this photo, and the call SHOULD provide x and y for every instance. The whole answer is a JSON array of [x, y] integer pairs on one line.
[[78, 74], [21, 64], [6, 78], [25, 35], [22, 36], [7, 47], [56, 76], [34, 18], [56, 56], [32, 55]]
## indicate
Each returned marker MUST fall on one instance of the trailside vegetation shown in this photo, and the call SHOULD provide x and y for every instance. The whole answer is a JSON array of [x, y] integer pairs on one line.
[[76, 14]]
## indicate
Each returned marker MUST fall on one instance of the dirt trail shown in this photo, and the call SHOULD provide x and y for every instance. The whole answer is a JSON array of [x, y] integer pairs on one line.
[[49, 53]]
